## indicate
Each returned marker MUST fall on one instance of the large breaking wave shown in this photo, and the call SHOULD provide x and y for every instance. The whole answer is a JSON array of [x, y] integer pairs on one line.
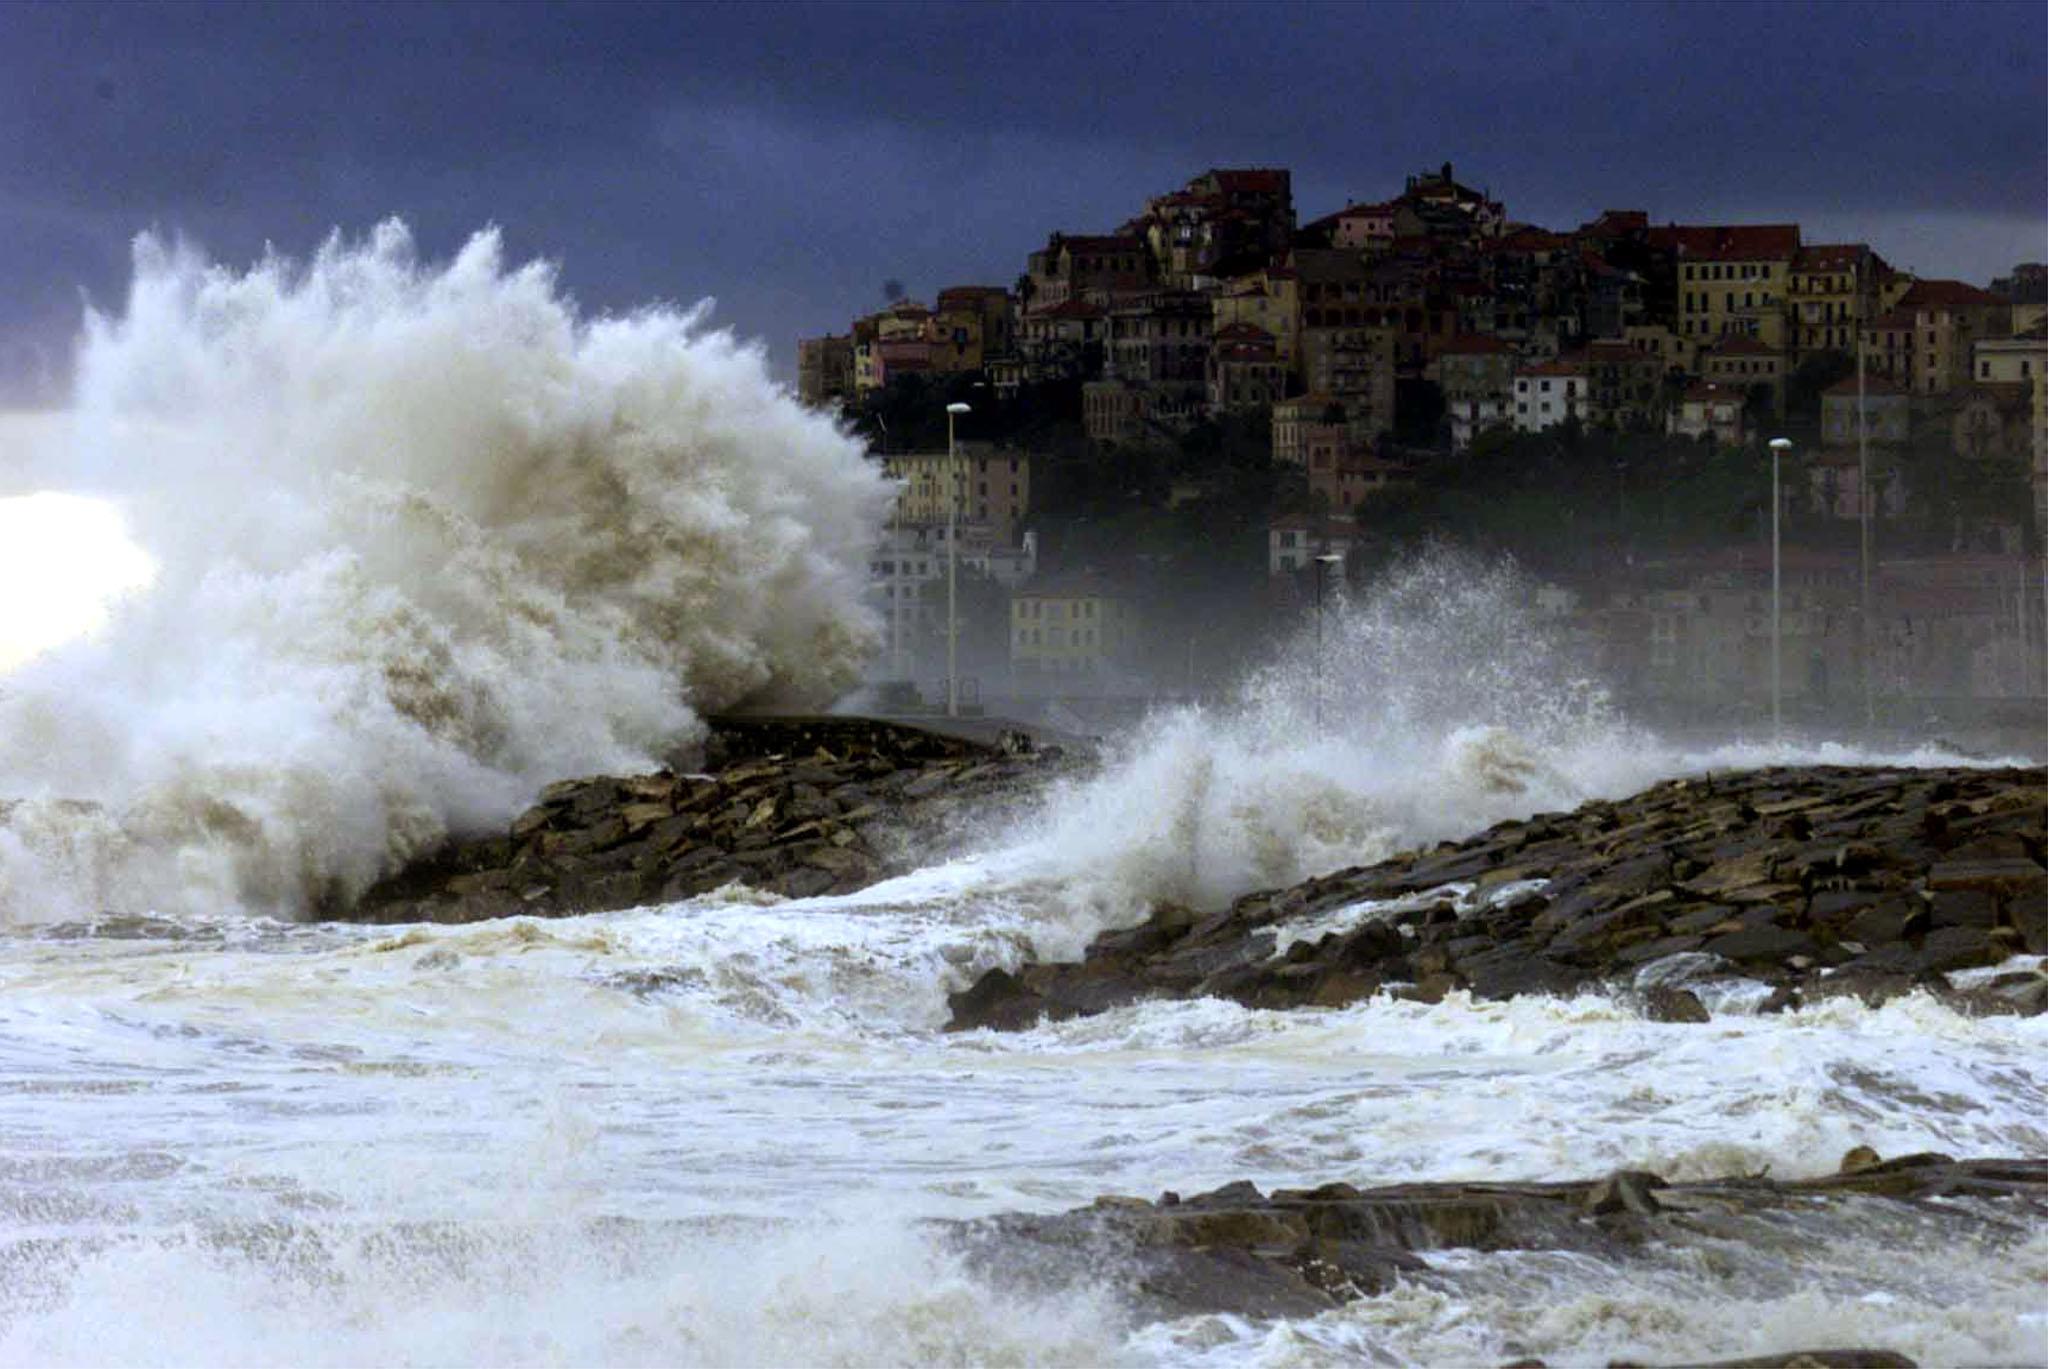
[[426, 538]]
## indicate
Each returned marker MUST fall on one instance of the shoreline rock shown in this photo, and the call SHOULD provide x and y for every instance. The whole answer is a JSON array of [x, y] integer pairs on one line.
[[793, 806], [1300, 1252], [1819, 881]]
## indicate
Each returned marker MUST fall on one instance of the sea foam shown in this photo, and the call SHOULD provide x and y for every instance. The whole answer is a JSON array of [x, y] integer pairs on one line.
[[425, 539]]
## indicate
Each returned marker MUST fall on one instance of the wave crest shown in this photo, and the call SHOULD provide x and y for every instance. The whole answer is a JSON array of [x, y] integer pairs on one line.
[[426, 539]]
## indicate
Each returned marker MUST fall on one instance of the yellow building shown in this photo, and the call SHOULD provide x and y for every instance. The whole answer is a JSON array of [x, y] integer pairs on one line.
[[1740, 363], [1834, 291], [1070, 628], [1270, 300], [971, 324], [1733, 281], [983, 485], [2012, 360], [1667, 346]]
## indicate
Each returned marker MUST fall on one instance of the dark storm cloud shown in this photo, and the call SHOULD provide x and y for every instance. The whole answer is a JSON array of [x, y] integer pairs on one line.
[[790, 158]]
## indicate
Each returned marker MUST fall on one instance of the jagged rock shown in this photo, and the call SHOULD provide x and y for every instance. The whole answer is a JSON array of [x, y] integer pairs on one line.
[[1822, 880], [1766, 945], [1297, 1252], [1667, 1003], [1797, 1359], [787, 805]]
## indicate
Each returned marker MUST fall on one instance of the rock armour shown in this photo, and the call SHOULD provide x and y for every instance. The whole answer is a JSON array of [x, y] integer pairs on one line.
[[1819, 881]]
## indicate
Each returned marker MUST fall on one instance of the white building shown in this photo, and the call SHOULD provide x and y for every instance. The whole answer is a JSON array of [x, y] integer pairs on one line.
[[1291, 543], [1549, 393]]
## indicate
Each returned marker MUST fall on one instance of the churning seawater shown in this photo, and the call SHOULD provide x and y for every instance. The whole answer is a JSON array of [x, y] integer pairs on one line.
[[706, 1133], [424, 541]]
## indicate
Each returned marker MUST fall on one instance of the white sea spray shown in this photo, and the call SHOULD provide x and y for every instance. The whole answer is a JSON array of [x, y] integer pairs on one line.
[[425, 539]]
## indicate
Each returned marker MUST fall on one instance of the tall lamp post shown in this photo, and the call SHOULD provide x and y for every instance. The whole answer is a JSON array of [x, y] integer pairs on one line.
[[953, 412], [1323, 564], [1779, 446], [1863, 610]]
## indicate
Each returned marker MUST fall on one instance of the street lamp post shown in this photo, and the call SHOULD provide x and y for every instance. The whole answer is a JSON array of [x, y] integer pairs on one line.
[[1779, 446], [1863, 609], [1323, 564], [953, 412]]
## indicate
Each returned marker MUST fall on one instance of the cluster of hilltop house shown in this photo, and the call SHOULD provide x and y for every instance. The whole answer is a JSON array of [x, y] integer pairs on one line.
[[1215, 299]]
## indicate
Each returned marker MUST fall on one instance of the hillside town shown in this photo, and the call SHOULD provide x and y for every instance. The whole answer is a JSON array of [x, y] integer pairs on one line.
[[1162, 444]]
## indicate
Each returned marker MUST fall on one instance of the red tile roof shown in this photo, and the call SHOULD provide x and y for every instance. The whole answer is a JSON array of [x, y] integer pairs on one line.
[[1068, 308], [1729, 242], [1241, 332], [1574, 365], [1707, 391], [1475, 344], [1741, 346], [1618, 221], [1833, 256], [1936, 296]]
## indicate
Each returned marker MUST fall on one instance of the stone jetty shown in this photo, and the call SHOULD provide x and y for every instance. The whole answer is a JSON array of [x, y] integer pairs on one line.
[[795, 806], [1818, 881], [1300, 1252]]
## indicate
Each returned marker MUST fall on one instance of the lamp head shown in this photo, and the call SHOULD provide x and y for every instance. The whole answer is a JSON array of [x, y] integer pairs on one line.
[[957, 408], [1781, 444]]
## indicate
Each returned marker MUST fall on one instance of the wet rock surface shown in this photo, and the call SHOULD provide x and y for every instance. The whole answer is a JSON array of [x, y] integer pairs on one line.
[[1299, 1252], [1816, 880], [799, 807]]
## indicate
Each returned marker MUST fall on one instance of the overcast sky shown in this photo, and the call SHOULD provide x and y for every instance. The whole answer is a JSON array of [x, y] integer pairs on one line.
[[789, 158]]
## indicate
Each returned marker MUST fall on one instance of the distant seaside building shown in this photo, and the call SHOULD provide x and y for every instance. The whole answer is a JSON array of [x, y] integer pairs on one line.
[[983, 485], [1708, 410], [1733, 279], [1476, 374], [1073, 626], [824, 370], [1550, 393]]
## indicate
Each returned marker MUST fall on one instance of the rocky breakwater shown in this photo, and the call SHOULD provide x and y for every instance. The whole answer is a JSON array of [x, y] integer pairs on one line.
[[1300, 1252], [793, 806], [1817, 880]]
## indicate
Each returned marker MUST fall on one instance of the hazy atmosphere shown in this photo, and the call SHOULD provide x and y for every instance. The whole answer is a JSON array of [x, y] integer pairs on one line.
[[1216, 686], [790, 161]]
